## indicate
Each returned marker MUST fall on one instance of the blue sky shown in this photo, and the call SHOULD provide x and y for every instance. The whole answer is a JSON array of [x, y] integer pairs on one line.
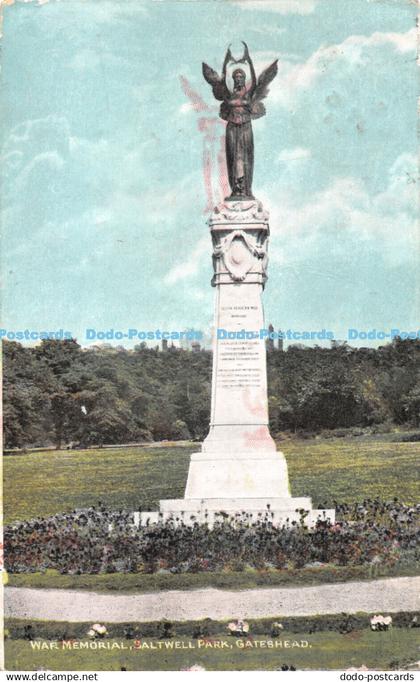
[[104, 204]]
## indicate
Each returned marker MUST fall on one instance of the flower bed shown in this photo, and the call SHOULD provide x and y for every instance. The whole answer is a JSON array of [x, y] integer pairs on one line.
[[97, 541], [341, 623]]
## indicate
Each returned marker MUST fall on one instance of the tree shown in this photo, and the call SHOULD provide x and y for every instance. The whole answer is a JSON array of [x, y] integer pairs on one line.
[[411, 404]]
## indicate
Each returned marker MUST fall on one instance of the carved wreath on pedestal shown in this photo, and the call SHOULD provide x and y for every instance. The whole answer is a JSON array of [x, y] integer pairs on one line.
[[238, 251]]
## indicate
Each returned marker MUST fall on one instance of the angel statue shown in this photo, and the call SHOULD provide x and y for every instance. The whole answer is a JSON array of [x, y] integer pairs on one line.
[[238, 108]]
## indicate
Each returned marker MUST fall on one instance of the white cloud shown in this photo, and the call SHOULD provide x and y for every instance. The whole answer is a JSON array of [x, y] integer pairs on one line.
[[340, 214], [296, 78], [37, 2], [186, 108], [401, 194], [267, 29], [17, 173], [279, 6], [33, 150], [294, 154], [25, 130], [191, 264], [103, 10], [109, 11], [345, 212], [91, 60], [94, 11]]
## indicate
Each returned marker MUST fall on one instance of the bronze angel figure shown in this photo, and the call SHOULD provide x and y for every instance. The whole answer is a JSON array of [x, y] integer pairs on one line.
[[238, 108]]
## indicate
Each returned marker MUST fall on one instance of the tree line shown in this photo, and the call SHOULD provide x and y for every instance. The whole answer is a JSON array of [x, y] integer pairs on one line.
[[58, 393]]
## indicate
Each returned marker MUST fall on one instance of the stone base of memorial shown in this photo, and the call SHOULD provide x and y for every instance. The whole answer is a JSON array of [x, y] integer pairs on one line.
[[238, 468]]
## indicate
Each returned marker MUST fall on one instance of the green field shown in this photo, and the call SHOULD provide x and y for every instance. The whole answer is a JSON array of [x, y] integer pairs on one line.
[[349, 469], [43, 483], [345, 469], [324, 651], [46, 482]]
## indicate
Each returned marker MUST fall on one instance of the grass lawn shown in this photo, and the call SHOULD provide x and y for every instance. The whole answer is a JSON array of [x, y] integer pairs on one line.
[[232, 580], [345, 469], [349, 469], [45, 482], [318, 651]]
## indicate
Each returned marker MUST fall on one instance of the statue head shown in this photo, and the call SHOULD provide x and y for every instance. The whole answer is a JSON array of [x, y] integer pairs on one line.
[[239, 78]]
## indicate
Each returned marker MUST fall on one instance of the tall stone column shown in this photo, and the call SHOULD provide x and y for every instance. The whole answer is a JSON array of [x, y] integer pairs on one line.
[[239, 457], [239, 470]]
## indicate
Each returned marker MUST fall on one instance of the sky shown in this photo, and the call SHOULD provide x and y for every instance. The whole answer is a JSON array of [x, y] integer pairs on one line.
[[107, 124]]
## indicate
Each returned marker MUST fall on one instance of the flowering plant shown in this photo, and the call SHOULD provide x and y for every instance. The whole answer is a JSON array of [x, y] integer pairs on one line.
[[97, 631], [374, 532], [380, 622], [276, 628], [238, 628]]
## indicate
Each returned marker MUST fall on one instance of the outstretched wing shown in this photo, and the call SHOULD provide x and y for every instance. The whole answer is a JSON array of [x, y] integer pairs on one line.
[[264, 80], [218, 84]]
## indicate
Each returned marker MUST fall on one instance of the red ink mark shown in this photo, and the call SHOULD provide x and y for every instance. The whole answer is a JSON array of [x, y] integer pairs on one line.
[[255, 404], [197, 101], [214, 162], [256, 439], [207, 179], [223, 174]]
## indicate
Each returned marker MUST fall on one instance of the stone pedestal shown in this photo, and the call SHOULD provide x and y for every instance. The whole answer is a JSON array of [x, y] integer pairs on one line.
[[238, 468]]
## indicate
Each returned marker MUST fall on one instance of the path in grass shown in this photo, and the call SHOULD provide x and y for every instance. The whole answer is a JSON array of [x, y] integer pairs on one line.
[[388, 595]]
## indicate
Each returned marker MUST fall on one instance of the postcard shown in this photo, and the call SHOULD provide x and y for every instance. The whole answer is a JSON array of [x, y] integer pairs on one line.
[[210, 336]]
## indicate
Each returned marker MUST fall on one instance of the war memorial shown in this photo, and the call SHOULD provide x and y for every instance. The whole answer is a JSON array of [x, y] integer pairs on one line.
[[143, 530], [239, 470]]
